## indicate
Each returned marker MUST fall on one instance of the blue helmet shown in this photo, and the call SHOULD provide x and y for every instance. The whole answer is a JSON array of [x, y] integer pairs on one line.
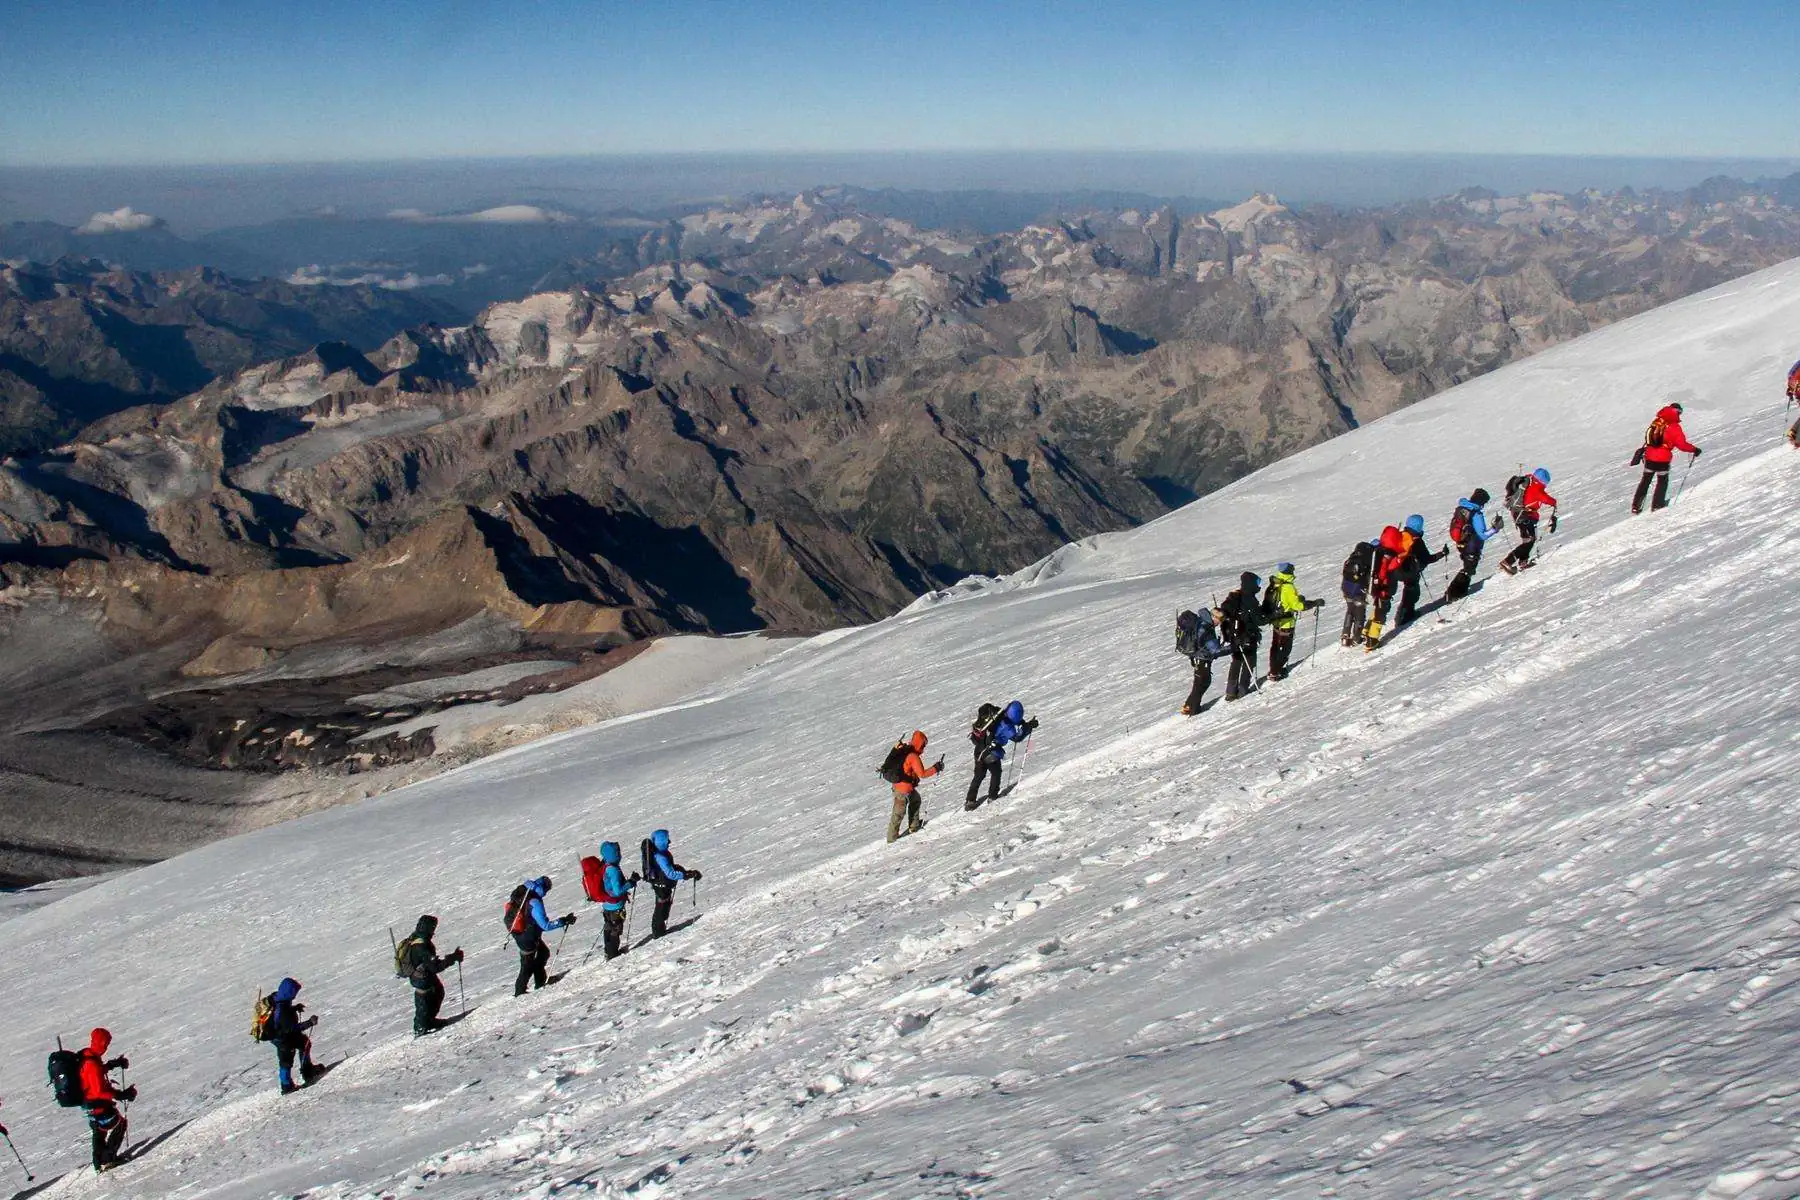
[[1284, 568], [1415, 524], [1542, 474], [609, 853]]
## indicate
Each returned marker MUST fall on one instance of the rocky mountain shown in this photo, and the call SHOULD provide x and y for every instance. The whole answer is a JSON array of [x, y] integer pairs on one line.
[[804, 413], [80, 340]]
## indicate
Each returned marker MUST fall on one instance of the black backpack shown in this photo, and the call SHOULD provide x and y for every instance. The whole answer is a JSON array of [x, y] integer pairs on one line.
[[1187, 634], [1360, 565], [649, 870], [1515, 495], [65, 1076], [986, 717], [893, 767]]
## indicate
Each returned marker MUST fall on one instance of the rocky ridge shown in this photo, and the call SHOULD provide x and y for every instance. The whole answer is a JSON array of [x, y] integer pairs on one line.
[[802, 413]]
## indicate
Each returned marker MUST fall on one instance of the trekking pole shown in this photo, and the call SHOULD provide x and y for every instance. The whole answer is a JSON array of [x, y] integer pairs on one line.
[[29, 1177], [462, 997], [1315, 648], [559, 941], [1684, 476]]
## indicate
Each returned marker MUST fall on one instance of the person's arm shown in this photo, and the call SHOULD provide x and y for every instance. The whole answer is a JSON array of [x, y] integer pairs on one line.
[[1676, 439], [665, 862], [542, 919]]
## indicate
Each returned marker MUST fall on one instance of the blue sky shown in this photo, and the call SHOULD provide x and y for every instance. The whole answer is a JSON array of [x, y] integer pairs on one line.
[[190, 81]]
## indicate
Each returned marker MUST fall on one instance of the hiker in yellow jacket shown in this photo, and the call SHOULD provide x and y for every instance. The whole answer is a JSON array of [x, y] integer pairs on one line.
[[1282, 606]]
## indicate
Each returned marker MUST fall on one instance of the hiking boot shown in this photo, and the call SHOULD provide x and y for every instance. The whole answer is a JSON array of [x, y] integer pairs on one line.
[[288, 1089], [1509, 568], [309, 1072]]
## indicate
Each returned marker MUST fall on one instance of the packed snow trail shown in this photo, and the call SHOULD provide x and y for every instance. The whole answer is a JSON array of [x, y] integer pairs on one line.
[[1502, 909]]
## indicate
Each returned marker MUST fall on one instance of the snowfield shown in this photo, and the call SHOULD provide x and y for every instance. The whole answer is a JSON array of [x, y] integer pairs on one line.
[[1505, 909]]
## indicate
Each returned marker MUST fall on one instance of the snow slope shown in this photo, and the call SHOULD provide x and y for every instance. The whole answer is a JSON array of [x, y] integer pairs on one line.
[[1503, 910]]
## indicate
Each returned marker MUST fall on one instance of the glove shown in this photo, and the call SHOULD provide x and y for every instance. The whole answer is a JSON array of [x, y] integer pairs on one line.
[[129, 1094], [1312, 604], [636, 878], [458, 956], [1499, 522], [1031, 725], [938, 765], [1553, 522], [309, 1022], [120, 1063], [1696, 452], [299, 1008], [694, 875], [569, 919]]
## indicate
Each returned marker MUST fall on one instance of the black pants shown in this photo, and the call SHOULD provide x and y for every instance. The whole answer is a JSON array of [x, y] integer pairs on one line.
[[427, 1002], [1281, 648], [612, 922], [1470, 552], [534, 967], [108, 1126], [1356, 618], [1652, 471], [1521, 553], [665, 900], [1408, 612], [991, 767], [1202, 681], [1240, 680]]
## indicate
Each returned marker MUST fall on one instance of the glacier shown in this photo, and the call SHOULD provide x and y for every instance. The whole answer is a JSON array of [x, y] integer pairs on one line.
[[1507, 908]]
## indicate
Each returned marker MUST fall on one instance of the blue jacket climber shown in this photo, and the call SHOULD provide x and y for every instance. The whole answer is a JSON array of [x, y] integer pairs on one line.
[[534, 904], [616, 883], [1011, 727], [662, 860], [1477, 519]]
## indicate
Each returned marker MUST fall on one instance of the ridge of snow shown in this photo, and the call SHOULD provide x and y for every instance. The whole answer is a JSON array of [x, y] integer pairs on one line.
[[1504, 908]]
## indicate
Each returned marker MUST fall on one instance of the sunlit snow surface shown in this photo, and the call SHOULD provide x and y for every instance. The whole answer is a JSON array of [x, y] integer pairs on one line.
[[1502, 910]]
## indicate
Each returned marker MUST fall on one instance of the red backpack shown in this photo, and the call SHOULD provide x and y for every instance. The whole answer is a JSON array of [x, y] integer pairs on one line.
[[1460, 525], [593, 879]]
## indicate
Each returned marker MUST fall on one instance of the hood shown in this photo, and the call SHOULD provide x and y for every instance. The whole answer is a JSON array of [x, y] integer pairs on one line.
[[609, 853], [1670, 412], [99, 1040], [1249, 581], [426, 927], [1478, 498], [287, 989], [538, 886], [1015, 712], [918, 741], [1283, 576], [660, 839]]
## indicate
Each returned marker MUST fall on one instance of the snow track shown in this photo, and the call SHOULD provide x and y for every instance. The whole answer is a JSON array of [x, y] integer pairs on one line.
[[1504, 909]]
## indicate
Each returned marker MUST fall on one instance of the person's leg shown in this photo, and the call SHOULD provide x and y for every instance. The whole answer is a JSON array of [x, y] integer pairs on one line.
[[899, 812], [1643, 489], [526, 958], [613, 925], [969, 800], [540, 969], [1356, 615], [914, 822], [995, 769], [284, 1065], [659, 916], [1409, 603], [100, 1134], [1661, 499], [1197, 693]]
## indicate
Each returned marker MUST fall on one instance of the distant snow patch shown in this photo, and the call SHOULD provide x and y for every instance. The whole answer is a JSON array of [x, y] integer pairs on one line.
[[313, 275], [505, 214], [120, 220]]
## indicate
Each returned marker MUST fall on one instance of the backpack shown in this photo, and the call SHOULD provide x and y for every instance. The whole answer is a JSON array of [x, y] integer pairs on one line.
[[593, 879], [1515, 495], [650, 871], [517, 906], [65, 1076], [261, 1017], [402, 952], [893, 767], [1653, 436], [1271, 601], [1462, 525], [1187, 634], [986, 717]]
